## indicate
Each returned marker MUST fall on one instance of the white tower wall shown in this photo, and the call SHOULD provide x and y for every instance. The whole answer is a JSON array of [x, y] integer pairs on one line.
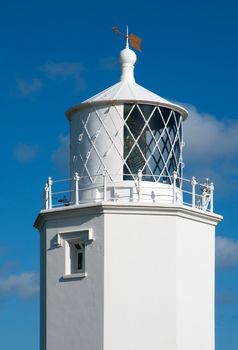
[[139, 280], [158, 279], [195, 289], [71, 308], [149, 279]]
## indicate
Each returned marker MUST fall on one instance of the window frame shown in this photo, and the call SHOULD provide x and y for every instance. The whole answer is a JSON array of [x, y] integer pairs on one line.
[[67, 240], [71, 256]]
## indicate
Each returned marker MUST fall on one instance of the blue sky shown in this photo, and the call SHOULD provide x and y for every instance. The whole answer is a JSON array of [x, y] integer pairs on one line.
[[55, 54]]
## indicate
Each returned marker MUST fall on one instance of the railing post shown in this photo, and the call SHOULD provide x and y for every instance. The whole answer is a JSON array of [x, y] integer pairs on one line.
[[50, 182], [211, 197], [193, 183], [105, 185], [139, 184], [206, 194], [46, 202], [76, 179], [204, 198], [175, 176]]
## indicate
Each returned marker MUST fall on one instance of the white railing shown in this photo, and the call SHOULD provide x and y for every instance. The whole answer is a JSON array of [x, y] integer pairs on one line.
[[179, 191]]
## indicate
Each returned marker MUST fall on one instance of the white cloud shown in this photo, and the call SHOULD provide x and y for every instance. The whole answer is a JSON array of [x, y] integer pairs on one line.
[[72, 70], [24, 285], [60, 156], [26, 88], [211, 150], [208, 138], [25, 153], [226, 252], [108, 63]]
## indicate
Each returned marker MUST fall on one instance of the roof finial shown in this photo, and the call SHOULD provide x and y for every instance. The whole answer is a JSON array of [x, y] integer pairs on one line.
[[128, 56]]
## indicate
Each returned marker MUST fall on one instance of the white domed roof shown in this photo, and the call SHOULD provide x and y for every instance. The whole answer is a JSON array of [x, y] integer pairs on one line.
[[127, 90]]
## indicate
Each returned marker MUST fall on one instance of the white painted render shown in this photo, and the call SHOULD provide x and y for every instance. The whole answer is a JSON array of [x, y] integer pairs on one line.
[[71, 309], [149, 283], [104, 124], [158, 282], [195, 268], [139, 281]]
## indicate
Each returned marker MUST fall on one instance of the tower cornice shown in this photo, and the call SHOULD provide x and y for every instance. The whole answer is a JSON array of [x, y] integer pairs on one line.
[[127, 209]]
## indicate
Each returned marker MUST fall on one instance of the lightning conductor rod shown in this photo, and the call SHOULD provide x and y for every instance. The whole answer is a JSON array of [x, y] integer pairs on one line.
[[127, 38]]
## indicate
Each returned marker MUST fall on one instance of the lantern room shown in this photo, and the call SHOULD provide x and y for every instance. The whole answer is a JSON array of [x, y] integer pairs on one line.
[[126, 133]]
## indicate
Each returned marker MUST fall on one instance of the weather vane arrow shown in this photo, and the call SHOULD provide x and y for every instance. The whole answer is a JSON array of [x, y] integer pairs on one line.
[[134, 40]]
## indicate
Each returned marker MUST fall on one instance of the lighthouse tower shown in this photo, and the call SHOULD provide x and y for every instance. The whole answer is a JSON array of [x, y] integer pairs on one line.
[[127, 249]]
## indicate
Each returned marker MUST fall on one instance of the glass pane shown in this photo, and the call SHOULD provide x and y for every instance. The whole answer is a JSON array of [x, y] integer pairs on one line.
[[128, 142], [146, 110], [177, 116], [135, 161], [156, 164], [126, 172], [171, 127], [135, 122], [156, 123], [80, 261], [151, 142], [165, 113], [127, 109]]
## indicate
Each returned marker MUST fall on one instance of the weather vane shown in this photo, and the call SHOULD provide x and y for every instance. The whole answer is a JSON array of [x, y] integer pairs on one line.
[[134, 40]]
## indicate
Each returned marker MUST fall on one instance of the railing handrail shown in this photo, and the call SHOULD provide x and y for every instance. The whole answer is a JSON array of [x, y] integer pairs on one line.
[[203, 201]]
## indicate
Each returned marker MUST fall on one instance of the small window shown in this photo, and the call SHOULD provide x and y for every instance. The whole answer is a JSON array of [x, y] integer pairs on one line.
[[77, 257], [75, 245], [80, 261]]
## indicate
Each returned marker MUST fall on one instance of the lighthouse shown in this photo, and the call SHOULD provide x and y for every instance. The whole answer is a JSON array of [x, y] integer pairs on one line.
[[127, 244]]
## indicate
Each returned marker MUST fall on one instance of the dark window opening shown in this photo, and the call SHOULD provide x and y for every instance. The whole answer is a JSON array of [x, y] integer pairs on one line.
[[80, 261], [77, 256]]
